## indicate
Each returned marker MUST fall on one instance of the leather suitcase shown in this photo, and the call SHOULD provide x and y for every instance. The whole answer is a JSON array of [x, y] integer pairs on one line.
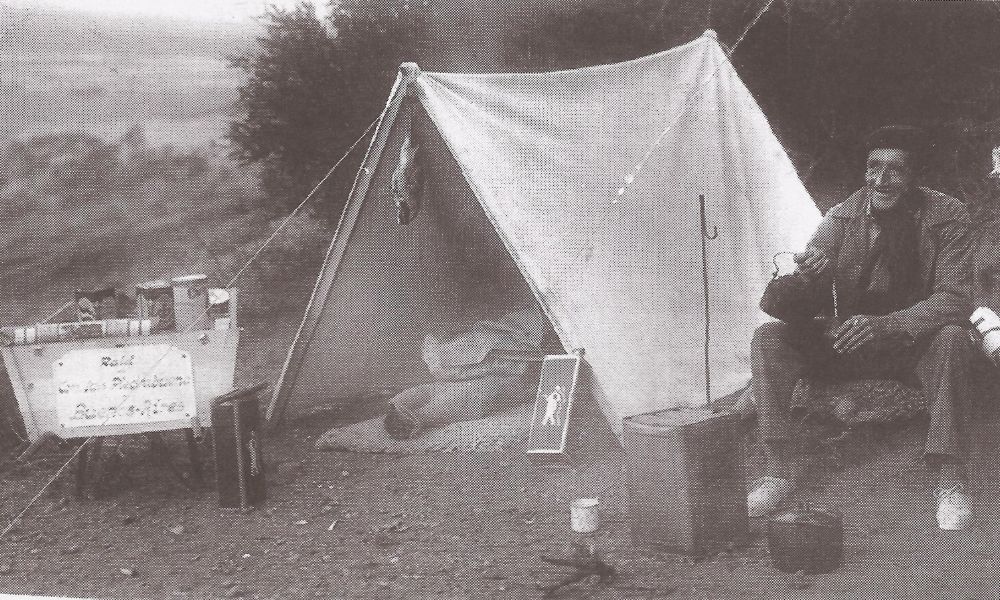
[[686, 489], [239, 464]]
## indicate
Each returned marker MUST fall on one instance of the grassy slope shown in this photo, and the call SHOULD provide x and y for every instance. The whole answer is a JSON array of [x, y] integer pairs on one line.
[[83, 213]]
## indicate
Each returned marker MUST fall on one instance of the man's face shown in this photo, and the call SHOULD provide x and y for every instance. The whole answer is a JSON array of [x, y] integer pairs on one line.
[[994, 175], [888, 175]]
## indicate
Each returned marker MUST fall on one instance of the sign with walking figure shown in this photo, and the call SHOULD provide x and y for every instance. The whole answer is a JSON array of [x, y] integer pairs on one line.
[[550, 419]]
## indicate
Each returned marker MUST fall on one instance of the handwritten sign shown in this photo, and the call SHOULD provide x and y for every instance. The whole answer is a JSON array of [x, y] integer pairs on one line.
[[114, 386]]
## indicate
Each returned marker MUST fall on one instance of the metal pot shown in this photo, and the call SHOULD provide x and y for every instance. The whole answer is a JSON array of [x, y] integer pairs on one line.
[[804, 539]]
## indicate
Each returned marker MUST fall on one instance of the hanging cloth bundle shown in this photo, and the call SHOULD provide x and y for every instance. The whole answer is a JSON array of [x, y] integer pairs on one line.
[[408, 178]]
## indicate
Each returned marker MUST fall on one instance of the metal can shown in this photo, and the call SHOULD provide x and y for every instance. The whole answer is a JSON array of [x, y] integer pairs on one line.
[[191, 302], [155, 302]]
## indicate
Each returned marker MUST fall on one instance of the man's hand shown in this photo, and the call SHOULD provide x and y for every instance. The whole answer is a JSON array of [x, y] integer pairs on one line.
[[860, 330], [811, 262]]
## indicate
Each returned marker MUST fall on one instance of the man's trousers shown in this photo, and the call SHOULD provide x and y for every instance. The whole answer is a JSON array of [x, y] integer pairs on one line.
[[781, 354]]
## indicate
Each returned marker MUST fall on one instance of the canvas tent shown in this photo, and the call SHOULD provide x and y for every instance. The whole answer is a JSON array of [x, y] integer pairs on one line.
[[576, 189]]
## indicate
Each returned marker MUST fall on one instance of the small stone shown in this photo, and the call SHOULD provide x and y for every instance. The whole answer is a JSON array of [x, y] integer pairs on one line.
[[128, 519], [177, 530], [344, 473], [235, 592], [5, 568], [127, 572], [301, 522]]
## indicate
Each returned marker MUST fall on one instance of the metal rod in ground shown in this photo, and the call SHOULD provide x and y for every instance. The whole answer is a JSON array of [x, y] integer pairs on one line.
[[705, 236]]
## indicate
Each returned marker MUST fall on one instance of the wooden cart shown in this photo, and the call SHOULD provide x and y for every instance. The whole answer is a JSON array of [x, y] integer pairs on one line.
[[123, 385]]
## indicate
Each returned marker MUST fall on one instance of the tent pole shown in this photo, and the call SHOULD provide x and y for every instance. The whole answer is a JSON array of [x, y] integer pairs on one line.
[[408, 73]]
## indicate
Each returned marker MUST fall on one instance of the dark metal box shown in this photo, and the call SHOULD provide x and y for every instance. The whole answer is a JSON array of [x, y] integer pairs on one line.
[[239, 465]]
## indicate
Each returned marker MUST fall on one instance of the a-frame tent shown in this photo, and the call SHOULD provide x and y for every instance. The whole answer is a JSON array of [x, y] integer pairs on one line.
[[576, 189]]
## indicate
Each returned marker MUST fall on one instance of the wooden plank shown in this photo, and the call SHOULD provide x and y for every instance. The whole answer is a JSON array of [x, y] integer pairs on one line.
[[335, 254]]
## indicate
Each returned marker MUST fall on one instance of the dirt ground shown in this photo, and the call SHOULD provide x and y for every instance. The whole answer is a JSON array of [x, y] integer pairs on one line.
[[340, 525], [453, 525]]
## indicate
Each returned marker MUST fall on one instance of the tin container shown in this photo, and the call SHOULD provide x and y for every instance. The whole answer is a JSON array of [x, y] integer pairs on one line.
[[155, 302], [191, 302], [686, 490], [584, 515], [116, 327], [95, 305], [47, 332], [805, 539]]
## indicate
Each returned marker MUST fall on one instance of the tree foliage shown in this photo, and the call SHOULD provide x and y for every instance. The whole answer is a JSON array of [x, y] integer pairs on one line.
[[313, 86], [825, 72]]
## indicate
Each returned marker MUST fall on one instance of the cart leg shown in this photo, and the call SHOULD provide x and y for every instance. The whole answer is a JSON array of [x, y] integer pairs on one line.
[[96, 469], [81, 469], [195, 455], [160, 455]]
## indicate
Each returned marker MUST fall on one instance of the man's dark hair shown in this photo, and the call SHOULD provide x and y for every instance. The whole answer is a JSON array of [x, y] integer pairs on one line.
[[993, 134], [903, 137]]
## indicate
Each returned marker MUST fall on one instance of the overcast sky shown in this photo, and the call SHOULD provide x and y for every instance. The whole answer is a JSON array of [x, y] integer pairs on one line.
[[232, 11]]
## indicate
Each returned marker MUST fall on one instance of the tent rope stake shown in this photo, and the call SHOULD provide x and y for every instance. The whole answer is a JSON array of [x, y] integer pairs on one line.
[[705, 237]]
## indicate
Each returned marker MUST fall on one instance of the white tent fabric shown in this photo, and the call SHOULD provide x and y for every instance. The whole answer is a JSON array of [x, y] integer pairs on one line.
[[619, 274]]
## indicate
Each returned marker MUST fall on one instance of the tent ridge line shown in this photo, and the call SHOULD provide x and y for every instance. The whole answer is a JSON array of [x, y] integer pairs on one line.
[[408, 73], [709, 33]]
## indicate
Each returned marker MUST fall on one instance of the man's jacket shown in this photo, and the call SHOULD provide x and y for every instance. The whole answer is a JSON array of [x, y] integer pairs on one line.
[[945, 240]]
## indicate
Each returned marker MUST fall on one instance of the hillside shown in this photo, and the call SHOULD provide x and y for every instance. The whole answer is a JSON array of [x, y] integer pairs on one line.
[[71, 71], [82, 213]]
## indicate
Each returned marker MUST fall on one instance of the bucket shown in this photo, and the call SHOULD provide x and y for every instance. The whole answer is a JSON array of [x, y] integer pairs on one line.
[[190, 302], [583, 516], [155, 302]]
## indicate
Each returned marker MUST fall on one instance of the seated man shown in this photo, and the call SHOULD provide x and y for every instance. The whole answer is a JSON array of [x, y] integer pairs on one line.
[[895, 260]]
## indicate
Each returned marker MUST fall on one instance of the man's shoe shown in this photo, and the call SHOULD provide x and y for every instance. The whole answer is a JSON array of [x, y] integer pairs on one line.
[[767, 496], [954, 508]]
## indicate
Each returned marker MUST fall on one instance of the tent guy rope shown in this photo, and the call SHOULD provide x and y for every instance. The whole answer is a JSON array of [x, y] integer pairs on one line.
[[688, 101], [13, 521]]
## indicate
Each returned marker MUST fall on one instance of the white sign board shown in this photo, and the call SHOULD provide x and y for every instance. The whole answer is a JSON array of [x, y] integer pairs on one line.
[[129, 385]]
